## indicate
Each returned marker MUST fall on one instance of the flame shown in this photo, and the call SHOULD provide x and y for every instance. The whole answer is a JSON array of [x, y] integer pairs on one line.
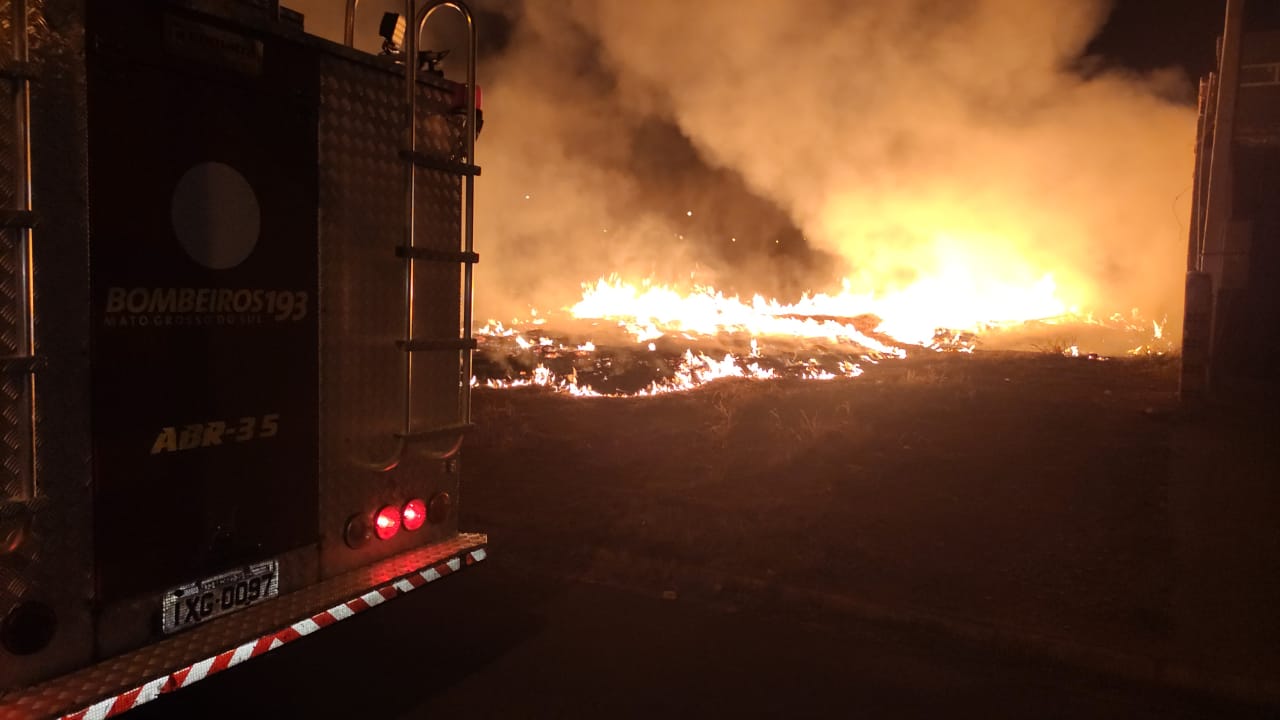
[[914, 316], [949, 311], [649, 312]]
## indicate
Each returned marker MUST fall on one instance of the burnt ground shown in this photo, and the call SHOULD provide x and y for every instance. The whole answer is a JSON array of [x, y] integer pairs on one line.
[[1062, 507]]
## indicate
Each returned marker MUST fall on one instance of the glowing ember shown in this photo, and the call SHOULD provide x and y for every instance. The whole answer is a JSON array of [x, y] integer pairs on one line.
[[692, 371]]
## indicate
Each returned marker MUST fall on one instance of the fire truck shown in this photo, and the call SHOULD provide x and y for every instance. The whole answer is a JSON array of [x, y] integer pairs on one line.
[[236, 267]]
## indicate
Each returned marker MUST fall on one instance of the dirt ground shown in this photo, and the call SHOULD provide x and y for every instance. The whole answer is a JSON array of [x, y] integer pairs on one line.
[[1058, 501], [498, 642]]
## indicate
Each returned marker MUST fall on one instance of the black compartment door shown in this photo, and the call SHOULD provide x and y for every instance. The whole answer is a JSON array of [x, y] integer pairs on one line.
[[203, 199]]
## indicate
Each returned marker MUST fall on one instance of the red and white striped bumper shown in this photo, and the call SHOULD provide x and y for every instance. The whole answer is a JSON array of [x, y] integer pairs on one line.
[[54, 700]]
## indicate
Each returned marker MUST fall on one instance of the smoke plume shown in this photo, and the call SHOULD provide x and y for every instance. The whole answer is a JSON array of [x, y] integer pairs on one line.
[[901, 139]]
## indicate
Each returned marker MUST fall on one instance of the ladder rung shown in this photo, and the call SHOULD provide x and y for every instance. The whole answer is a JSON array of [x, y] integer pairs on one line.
[[433, 345], [442, 431], [432, 162], [14, 70], [418, 253], [17, 219], [19, 363]]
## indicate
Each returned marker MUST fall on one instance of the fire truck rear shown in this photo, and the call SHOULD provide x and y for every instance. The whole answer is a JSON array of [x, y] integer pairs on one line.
[[235, 319]]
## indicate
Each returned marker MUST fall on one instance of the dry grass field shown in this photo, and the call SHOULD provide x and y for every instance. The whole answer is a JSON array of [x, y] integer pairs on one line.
[[1035, 495]]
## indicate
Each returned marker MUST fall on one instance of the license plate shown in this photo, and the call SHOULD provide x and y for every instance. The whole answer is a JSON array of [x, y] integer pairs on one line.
[[198, 602]]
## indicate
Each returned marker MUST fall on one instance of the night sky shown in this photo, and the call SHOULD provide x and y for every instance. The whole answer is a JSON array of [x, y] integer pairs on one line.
[[1149, 34], [1140, 34]]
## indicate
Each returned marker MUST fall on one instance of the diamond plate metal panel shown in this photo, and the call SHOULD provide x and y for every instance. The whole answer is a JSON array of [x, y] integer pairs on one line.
[[15, 428], [438, 286], [53, 565], [437, 204], [8, 159], [14, 397], [35, 16], [362, 196]]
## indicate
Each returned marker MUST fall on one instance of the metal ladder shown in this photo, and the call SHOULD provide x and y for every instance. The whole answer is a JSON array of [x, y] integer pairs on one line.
[[17, 71], [411, 254]]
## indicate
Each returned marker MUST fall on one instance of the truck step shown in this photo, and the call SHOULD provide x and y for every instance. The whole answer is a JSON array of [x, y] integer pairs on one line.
[[437, 345], [17, 219], [127, 681], [438, 432], [446, 256], [20, 363], [433, 162], [16, 70]]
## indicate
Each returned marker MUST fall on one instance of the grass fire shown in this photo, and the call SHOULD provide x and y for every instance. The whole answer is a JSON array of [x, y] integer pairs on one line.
[[935, 165], [620, 334], [911, 176]]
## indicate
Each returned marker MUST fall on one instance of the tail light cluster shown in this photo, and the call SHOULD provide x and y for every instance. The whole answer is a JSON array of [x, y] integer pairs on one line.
[[390, 519]]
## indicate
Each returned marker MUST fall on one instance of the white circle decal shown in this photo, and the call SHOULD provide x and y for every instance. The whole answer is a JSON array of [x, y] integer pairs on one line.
[[215, 215]]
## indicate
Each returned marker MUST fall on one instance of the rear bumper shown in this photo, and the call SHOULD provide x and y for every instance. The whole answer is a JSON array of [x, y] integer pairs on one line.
[[127, 681]]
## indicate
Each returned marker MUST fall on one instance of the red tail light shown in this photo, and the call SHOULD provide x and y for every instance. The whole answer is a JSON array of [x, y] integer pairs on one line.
[[414, 514], [387, 522]]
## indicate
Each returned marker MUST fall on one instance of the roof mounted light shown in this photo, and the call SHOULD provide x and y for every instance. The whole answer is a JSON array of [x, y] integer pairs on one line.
[[392, 30], [429, 61]]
